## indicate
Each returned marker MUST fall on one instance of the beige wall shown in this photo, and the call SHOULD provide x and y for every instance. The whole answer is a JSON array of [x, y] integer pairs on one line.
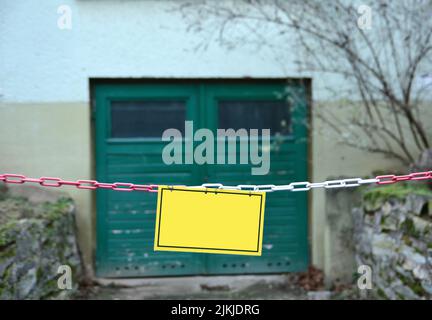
[[51, 140], [55, 140], [333, 160]]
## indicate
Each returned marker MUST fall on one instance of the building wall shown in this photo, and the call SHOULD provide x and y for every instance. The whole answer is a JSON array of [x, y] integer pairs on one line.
[[45, 94], [52, 139]]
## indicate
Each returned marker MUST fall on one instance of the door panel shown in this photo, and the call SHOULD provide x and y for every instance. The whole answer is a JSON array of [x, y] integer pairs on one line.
[[130, 120], [285, 223]]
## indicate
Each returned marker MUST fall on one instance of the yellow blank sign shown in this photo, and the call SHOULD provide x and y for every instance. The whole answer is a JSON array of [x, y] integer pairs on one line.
[[209, 220]]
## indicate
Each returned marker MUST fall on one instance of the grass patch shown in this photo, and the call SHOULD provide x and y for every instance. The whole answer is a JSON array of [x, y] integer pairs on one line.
[[395, 191]]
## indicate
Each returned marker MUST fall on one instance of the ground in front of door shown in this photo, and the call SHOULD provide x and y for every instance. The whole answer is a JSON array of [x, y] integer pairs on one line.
[[285, 287]]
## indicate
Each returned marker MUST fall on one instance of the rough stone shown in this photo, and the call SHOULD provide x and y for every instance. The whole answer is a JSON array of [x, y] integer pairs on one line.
[[389, 223], [421, 272], [414, 203], [403, 291], [386, 209], [394, 237], [427, 286], [421, 225], [4, 265], [26, 284], [36, 238], [384, 246], [412, 258]]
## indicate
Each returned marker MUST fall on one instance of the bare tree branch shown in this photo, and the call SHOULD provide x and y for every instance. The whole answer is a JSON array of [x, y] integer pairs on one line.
[[379, 66]]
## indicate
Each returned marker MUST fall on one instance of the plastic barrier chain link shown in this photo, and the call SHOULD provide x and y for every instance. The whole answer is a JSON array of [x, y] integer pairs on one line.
[[294, 186]]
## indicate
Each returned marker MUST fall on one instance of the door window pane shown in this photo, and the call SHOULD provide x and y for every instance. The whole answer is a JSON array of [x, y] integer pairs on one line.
[[147, 119], [273, 115]]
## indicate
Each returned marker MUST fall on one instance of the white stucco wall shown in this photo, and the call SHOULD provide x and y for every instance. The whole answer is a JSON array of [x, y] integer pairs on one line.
[[43, 63]]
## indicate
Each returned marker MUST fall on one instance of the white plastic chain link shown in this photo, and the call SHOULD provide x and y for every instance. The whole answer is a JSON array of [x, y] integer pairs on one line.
[[294, 186]]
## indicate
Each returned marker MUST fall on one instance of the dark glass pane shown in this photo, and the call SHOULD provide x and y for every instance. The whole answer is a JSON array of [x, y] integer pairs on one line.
[[134, 119], [273, 115]]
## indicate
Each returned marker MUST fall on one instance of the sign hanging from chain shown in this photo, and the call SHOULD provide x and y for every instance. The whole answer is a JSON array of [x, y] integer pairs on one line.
[[210, 221]]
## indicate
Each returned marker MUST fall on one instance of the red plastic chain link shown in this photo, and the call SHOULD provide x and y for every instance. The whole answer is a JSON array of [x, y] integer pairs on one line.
[[389, 179], [80, 184]]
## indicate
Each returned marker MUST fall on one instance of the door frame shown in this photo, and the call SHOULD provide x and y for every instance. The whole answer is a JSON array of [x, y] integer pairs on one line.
[[306, 82]]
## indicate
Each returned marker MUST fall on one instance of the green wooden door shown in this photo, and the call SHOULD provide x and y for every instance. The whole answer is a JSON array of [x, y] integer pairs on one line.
[[130, 119], [282, 109]]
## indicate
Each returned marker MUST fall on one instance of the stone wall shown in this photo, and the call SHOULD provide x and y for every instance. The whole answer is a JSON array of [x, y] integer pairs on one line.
[[393, 235], [37, 235]]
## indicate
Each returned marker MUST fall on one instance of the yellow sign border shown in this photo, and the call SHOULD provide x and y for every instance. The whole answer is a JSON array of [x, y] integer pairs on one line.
[[165, 247]]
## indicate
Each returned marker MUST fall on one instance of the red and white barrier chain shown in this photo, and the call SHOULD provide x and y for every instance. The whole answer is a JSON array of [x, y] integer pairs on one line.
[[294, 186], [80, 184]]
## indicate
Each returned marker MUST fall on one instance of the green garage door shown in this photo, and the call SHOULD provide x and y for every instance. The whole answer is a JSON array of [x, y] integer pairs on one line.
[[130, 120]]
